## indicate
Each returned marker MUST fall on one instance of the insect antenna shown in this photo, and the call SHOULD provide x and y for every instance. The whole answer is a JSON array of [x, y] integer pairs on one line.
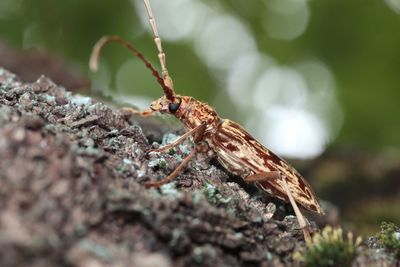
[[157, 41], [94, 59]]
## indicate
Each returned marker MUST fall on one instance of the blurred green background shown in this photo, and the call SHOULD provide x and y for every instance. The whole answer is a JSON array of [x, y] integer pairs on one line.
[[311, 79]]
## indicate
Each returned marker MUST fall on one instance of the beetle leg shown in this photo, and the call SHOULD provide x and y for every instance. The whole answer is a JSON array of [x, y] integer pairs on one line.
[[200, 147], [300, 218], [275, 175], [174, 174], [144, 113], [197, 131], [259, 177]]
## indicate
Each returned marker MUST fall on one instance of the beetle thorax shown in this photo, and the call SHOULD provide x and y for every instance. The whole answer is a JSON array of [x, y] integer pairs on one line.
[[193, 112]]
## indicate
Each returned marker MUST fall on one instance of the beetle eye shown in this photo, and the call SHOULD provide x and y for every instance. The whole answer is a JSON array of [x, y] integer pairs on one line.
[[173, 107]]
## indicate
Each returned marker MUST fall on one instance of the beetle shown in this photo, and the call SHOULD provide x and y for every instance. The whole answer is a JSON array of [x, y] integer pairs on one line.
[[234, 148]]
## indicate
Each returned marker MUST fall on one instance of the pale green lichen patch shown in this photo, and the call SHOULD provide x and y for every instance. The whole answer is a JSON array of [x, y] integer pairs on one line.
[[97, 249], [80, 100], [170, 190], [214, 196], [158, 163], [51, 100], [170, 138]]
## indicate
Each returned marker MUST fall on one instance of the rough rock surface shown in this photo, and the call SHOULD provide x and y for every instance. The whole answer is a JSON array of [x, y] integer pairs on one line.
[[71, 193]]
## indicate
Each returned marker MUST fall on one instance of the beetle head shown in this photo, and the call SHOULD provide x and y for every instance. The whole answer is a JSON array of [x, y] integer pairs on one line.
[[165, 105]]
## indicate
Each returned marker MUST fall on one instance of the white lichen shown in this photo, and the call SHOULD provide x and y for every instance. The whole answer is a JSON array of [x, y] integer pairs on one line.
[[80, 100]]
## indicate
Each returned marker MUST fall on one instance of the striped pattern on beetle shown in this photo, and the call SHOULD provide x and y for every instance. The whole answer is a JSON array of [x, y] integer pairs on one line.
[[238, 152]]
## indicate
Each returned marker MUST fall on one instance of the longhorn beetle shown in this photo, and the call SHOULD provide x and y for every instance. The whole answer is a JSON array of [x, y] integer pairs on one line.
[[234, 148]]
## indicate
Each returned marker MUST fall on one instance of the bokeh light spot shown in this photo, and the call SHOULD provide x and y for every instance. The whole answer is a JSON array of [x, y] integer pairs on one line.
[[290, 132], [394, 5], [222, 40], [175, 19], [287, 20]]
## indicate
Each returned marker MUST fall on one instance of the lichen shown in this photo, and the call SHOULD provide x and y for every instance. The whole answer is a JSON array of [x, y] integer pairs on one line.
[[389, 239], [80, 100], [127, 161], [185, 149], [51, 100], [158, 164], [169, 138], [214, 196], [97, 249], [170, 190], [329, 248]]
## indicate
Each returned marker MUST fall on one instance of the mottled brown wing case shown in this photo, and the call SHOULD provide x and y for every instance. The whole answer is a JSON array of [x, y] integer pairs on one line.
[[242, 155]]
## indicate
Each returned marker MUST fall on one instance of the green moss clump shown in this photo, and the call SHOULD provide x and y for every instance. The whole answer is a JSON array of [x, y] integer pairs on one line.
[[389, 238], [162, 164], [329, 248]]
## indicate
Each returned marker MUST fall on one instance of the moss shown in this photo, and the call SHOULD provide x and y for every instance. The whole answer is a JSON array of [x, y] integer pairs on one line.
[[162, 164], [158, 164], [213, 195], [171, 151], [329, 248], [389, 239]]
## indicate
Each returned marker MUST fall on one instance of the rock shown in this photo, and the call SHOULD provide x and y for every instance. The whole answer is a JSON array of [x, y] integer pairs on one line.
[[71, 192]]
